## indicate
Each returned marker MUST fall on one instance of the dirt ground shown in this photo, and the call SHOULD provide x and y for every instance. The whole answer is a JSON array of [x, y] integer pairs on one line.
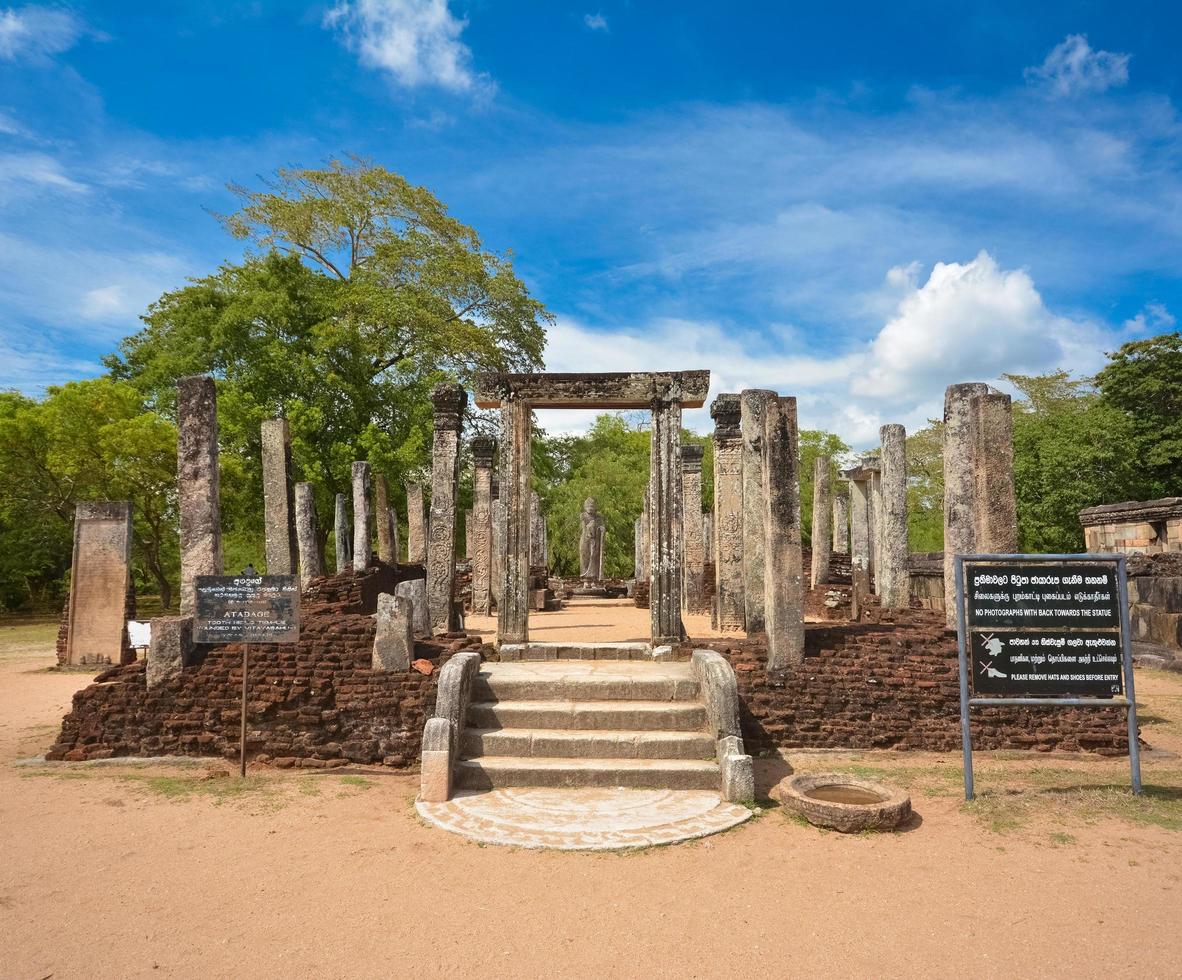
[[124, 871]]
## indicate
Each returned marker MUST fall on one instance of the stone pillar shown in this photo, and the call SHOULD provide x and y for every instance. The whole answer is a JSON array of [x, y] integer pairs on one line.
[[537, 533], [361, 516], [995, 511], [414, 590], [783, 574], [394, 640], [751, 421], [841, 524], [665, 508], [959, 525], [170, 650], [708, 534], [395, 542], [197, 484], [728, 513], [100, 579], [468, 536], [381, 506], [449, 401], [513, 603], [859, 543], [874, 518], [416, 525], [693, 530], [638, 549], [309, 547], [482, 562], [822, 515], [893, 576], [342, 534], [646, 566], [498, 545], [278, 503]]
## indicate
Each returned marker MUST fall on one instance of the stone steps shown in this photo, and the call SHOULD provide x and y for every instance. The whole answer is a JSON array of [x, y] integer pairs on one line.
[[576, 651], [495, 772], [582, 744], [625, 715], [597, 680]]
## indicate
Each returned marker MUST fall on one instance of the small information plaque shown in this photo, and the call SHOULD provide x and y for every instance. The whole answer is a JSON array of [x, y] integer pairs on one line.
[[247, 609]]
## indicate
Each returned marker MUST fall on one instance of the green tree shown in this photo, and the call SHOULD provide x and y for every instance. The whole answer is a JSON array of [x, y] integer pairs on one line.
[[813, 444], [925, 488], [360, 293], [87, 440], [1143, 382]]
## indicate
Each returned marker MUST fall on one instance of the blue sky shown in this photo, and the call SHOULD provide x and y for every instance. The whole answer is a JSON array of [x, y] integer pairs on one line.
[[857, 204]]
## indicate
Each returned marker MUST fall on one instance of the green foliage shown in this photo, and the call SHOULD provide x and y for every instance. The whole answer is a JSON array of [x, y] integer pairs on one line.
[[925, 488], [813, 444], [1071, 450], [364, 295], [1143, 382], [85, 441]]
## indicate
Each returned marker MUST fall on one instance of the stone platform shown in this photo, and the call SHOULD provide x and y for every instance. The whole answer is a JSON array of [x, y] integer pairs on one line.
[[583, 819]]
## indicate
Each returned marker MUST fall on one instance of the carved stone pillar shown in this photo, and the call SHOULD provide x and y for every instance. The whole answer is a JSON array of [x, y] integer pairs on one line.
[[362, 521], [841, 524], [198, 484], [693, 529], [959, 524], [859, 542], [994, 506], [784, 603], [893, 575], [481, 525], [449, 401], [416, 525], [822, 514], [665, 523], [342, 534], [309, 546], [728, 513], [874, 518], [278, 503], [513, 603], [751, 420], [381, 493]]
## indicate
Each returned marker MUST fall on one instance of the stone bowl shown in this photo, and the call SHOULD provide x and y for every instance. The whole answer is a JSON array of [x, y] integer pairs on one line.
[[845, 803]]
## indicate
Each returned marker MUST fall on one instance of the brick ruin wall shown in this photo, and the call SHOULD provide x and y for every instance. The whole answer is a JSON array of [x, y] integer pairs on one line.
[[890, 682]]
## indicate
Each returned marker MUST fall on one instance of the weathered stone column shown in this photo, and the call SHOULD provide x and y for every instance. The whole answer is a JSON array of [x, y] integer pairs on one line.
[[728, 513], [841, 524], [513, 603], [537, 532], [959, 525], [893, 576], [822, 515], [693, 530], [995, 508], [394, 638], [784, 607], [859, 540], [381, 493], [497, 575], [708, 534], [361, 516], [753, 401], [449, 401], [395, 543], [100, 576], [197, 484], [416, 525], [874, 518], [278, 502], [637, 550], [665, 510], [342, 534], [481, 525], [309, 546]]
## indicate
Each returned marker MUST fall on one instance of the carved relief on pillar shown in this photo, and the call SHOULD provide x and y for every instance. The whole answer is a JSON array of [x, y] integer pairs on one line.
[[449, 402], [481, 525], [728, 513]]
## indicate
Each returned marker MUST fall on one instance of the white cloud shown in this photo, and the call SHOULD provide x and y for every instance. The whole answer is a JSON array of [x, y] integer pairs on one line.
[[415, 41], [595, 22], [1154, 319], [968, 321], [37, 33], [1073, 68], [38, 170]]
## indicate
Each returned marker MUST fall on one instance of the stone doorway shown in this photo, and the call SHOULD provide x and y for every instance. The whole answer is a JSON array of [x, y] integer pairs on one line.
[[665, 394]]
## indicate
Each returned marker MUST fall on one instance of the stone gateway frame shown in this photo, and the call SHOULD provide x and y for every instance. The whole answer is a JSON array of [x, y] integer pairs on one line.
[[665, 394]]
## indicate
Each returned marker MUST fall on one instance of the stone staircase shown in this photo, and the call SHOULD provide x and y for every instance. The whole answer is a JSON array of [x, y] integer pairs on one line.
[[614, 721]]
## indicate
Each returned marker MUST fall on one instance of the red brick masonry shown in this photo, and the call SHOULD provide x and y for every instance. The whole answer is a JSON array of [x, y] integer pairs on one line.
[[885, 684]]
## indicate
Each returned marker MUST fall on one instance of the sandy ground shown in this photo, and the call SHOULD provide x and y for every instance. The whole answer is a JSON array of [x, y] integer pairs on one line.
[[592, 621], [126, 872]]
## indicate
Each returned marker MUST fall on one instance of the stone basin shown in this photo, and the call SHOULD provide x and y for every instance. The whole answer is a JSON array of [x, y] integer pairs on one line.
[[846, 803]]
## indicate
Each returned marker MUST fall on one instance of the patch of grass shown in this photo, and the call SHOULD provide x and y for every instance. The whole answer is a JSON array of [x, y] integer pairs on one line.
[[218, 789], [58, 773], [362, 782], [1062, 839], [1157, 806]]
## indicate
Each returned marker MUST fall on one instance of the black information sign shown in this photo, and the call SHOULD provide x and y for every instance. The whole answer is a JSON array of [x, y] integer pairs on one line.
[[1043, 629], [247, 609]]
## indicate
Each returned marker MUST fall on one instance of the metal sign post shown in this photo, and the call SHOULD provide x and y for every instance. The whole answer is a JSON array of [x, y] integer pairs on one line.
[[247, 609], [1044, 630]]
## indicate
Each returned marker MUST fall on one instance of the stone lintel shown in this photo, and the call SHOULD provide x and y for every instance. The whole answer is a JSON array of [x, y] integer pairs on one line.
[[1132, 512], [625, 389]]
